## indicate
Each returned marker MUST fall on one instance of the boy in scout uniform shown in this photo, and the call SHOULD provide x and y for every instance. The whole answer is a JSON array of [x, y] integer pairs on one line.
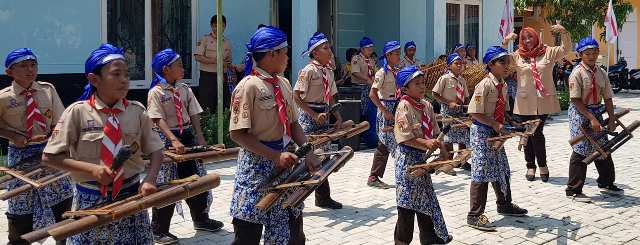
[[363, 69], [176, 112], [415, 131], [487, 109], [206, 54], [384, 97], [314, 93], [409, 58], [588, 85], [29, 110], [452, 93], [91, 132], [259, 98]]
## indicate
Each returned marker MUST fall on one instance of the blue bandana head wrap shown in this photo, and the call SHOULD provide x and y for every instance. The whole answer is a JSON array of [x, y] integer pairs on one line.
[[453, 57], [163, 58], [409, 44], [388, 47], [316, 40], [366, 42], [586, 43], [405, 75], [19, 55], [265, 39], [98, 58]]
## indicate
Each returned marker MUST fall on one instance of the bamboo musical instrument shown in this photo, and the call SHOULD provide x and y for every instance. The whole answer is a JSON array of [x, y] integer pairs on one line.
[[605, 123], [343, 133], [524, 130], [440, 166], [107, 213], [215, 153], [605, 150], [28, 179], [443, 132]]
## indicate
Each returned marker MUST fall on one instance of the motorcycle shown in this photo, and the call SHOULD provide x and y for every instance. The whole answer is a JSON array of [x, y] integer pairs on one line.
[[619, 76]]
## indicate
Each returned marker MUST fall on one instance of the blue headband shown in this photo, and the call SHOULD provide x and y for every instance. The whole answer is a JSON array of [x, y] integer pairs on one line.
[[494, 52], [409, 44], [19, 55], [586, 43], [366, 42], [405, 75], [163, 58], [453, 57], [265, 39], [388, 48], [458, 46], [98, 58], [316, 40]]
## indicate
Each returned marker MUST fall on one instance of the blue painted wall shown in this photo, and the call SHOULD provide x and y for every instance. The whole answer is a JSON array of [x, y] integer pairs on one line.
[[61, 32]]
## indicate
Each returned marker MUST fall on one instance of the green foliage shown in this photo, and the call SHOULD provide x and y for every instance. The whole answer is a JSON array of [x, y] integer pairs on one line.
[[563, 97], [209, 123], [578, 16]]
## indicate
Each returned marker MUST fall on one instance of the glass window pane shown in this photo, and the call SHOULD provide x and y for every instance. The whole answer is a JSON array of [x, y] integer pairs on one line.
[[171, 28], [125, 29], [453, 25], [472, 24]]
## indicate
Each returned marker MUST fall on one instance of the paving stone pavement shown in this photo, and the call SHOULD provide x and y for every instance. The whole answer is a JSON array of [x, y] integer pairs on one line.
[[369, 215]]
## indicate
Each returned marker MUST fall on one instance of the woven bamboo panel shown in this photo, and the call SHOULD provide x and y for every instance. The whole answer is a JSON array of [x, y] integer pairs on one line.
[[432, 72], [474, 74]]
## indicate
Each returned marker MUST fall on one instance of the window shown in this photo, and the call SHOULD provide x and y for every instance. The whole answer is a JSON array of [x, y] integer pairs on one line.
[[125, 29], [463, 23], [171, 28]]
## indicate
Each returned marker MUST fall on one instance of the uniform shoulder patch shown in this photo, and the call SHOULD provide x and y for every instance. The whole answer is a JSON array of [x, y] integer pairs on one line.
[[136, 103]]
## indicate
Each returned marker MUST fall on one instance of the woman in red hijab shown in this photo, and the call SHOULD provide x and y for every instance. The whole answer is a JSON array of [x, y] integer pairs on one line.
[[536, 92]]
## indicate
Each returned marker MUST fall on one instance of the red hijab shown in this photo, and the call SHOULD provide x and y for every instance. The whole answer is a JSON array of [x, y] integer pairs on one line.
[[539, 48]]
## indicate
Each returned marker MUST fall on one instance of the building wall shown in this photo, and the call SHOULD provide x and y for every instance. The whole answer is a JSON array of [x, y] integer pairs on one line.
[[60, 32]]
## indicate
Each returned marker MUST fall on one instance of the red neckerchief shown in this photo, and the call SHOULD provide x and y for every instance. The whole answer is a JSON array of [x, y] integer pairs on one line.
[[427, 127], [281, 103], [325, 81]]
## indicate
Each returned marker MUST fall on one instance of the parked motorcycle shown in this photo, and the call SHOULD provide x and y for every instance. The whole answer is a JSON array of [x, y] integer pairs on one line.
[[619, 76]]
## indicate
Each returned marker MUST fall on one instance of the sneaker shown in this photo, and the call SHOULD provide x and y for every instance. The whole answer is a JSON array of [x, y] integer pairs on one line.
[[480, 222], [580, 198], [531, 174], [330, 204], [165, 238], [611, 189], [512, 210], [210, 225], [375, 182]]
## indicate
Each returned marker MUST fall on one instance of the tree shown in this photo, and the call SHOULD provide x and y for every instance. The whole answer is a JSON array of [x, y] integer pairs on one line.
[[578, 16]]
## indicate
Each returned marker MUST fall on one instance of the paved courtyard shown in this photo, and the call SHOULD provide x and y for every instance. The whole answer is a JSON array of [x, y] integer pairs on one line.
[[369, 215]]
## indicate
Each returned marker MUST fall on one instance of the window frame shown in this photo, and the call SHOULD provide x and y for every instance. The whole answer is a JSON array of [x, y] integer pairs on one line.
[[461, 34]]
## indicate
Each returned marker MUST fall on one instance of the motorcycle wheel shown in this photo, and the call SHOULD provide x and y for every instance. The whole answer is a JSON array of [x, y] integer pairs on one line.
[[615, 86]]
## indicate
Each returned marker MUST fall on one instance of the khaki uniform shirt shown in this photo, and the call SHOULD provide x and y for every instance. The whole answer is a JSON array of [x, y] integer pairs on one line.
[[580, 84], [80, 130], [409, 121], [13, 107], [311, 86], [161, 105], [527, 101], [408, 62], [385, 82], [446, 87], [206, 47], [360, 64], [254, 107], [485, 96]]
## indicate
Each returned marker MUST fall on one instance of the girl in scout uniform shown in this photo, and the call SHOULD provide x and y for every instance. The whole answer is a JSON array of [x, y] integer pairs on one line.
[[409, 58], [588, 85], [383, 95], [363, 69], [90, 134], [176, 112], [472, 53], [452, 93], [260, 96], [314, 93], [487, 109], [29, 110], [536, 94], [415, 131]]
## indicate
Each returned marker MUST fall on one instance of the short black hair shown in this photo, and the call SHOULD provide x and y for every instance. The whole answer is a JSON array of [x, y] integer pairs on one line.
[[259, 56], [351, 52], [215, 17], [261, 25]]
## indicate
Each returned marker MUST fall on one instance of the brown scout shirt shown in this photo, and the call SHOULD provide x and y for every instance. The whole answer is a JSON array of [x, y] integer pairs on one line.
[[311, 86], [254, 107], [485, 96], [527, 101], [385, 82], [359, 64], [409, 121], [206, 47], [160, 104], [580, 84], [408, 62], [79, 132], [13, 107], [446, 87]]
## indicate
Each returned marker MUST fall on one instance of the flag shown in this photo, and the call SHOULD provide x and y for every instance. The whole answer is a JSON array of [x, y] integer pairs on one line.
[[611, 24], [506, 21]]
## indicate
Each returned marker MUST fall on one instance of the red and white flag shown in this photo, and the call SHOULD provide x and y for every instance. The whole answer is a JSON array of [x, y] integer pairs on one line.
[[611, 24], [507, 20]]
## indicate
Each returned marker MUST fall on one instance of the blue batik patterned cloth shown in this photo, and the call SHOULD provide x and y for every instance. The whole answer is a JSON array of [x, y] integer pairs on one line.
[[416, 193], [455, 135], [254, 174], [487, 164], [577, 120], [135, 229], [386, 138], [36, 201]]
